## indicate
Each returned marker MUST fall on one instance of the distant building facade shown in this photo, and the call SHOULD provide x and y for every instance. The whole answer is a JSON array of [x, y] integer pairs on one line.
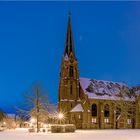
[[90, 103]]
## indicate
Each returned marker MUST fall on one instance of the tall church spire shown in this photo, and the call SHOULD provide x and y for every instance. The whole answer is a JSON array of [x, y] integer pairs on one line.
[[69, 45], [69, 76]]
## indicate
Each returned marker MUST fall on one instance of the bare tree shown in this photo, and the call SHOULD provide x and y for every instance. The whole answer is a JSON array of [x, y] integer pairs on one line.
[[36, 104], [124, 106], [2, 115]]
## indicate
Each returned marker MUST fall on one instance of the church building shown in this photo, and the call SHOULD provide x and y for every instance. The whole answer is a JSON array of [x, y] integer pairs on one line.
[[94, 104]]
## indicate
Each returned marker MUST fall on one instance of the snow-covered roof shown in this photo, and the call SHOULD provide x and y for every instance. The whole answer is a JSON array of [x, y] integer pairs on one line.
[[100, 89], [136, 89], [137, 92], [11, 115], [77, 108]]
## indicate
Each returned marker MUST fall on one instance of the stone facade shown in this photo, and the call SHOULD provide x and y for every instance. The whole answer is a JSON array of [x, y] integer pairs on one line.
[[90, 103]]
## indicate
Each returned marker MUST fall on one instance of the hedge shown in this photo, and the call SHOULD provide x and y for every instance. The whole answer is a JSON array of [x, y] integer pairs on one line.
[[63, 128]]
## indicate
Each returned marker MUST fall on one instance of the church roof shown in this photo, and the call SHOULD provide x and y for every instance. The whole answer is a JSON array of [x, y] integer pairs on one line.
[[100, 89], [137, 92], [136, 89], [77, 108]]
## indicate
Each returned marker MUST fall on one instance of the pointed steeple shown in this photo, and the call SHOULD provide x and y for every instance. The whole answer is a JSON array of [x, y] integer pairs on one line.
[[69, 45], [69, 76]]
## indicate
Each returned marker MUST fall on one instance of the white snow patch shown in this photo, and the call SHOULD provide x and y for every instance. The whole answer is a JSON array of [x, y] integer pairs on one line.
[[66, 57], [77, 108], [126, 134]]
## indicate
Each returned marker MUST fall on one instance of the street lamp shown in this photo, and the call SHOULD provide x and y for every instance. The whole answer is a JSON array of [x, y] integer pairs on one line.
[[60, 117]]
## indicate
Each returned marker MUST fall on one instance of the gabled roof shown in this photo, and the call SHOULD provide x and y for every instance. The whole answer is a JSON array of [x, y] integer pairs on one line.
[[100, 89], [77, 108]]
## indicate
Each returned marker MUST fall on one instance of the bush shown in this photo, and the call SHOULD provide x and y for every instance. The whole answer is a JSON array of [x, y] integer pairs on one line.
[[43, 130], [70, 128], [1, 129], [63, 128], [57, 129], [31, 130]]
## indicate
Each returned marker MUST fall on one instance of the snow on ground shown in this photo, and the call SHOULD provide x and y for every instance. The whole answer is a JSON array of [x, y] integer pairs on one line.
[[78, 135]]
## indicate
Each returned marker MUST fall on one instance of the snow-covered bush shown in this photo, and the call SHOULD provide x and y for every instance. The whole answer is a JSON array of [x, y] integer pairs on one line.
[[63, 128], [70, 128], [57, 129], [1, 128], [31, 130]]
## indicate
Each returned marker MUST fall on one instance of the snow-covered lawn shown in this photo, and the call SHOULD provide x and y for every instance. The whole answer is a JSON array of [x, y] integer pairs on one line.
[[78, 135]]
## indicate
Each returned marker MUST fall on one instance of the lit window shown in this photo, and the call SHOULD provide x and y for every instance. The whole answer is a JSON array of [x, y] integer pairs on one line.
[[128, 121], [93, 120], [79, 116], [71, 71], [106, 120]]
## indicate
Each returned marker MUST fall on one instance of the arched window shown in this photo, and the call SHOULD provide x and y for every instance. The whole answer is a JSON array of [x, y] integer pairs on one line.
[[71, 71], [71, 89], [94, 110], [106, 110], [71, 105]]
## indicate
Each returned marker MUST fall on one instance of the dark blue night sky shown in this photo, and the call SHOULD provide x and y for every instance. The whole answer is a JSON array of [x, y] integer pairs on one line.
[[32, 36]]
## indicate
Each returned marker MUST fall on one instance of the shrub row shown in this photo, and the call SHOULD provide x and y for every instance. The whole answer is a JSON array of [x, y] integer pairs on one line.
[[31, 130], [63, 128]]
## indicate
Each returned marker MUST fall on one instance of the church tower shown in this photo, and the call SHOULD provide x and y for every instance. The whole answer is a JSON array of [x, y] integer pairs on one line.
[[69, 75]]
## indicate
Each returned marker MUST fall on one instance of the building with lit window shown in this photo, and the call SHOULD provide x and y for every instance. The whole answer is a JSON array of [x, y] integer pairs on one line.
[[90, 103]]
